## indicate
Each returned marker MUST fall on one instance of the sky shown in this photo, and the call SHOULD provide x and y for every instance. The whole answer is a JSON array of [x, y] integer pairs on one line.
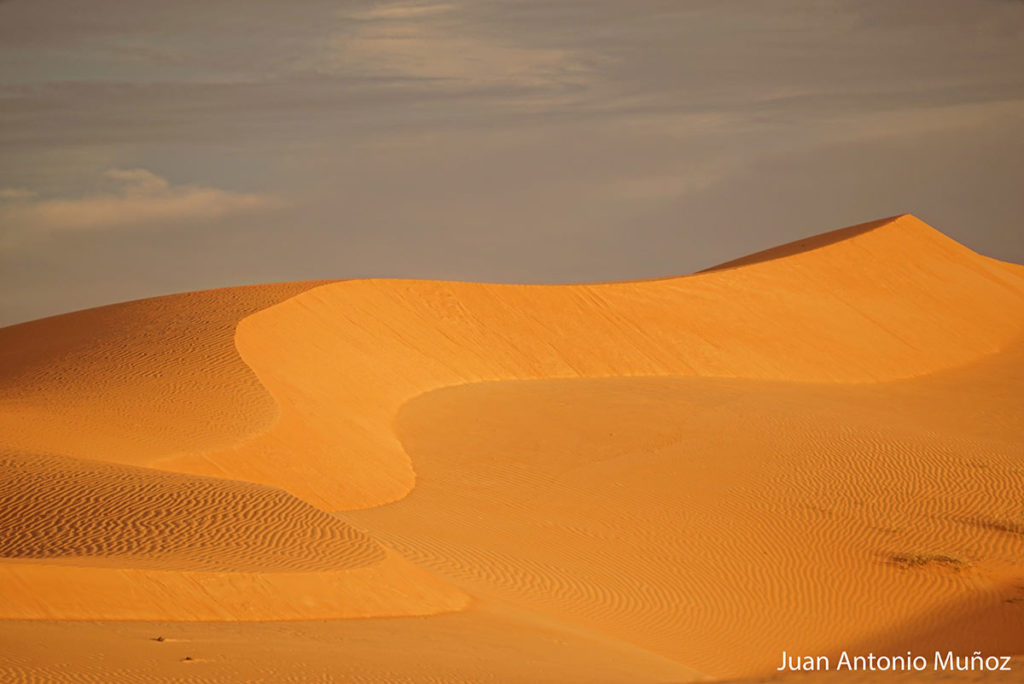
[[151, 147]]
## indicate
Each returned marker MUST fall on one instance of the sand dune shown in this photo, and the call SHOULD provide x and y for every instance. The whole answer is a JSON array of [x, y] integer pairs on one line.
[[814, 448], [85, 540], [57, 509], [132, 382], [896, 300]]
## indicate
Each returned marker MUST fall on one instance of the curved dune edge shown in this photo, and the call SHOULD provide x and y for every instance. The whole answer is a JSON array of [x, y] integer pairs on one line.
[[892, 299], [102, 541], [669, 511], [71, 511], [135, 381], [393, 587]]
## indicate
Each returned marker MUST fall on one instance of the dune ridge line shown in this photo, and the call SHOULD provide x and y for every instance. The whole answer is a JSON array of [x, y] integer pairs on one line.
[[894, 299]]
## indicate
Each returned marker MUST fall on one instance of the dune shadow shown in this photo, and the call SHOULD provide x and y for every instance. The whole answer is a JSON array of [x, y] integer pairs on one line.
[[807, 244]]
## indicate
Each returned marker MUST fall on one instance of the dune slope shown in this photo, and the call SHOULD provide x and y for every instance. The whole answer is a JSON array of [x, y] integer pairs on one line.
[[668, 511], [692, 473], [85, 540], [134, 381], [60, 509], [897, 299]]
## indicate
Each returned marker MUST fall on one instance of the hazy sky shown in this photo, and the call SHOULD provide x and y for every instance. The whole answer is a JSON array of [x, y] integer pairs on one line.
[[152, 147]]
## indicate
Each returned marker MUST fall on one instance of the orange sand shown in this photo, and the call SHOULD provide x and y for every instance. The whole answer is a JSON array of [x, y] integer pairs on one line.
[[815, 448]]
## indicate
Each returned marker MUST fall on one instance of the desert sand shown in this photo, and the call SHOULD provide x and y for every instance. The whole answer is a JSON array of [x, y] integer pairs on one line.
[[815, 448]]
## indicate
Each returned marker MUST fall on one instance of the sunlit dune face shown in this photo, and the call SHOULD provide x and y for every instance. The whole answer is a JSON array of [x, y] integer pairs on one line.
[[670, 510]]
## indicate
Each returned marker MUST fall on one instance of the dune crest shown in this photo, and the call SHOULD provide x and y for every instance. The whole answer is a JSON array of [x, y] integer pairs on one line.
[[892, 300]]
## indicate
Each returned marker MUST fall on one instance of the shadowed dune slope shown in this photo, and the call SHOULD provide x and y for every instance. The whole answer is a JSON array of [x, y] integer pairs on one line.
[[391, 588], [894, 299], [87, 540], [131, 382], [58, 509], [803, 245]]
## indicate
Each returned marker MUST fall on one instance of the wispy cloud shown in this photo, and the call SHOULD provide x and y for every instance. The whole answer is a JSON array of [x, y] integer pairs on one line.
[[134, 198], [15, 194], [405, 11], [438, 41]]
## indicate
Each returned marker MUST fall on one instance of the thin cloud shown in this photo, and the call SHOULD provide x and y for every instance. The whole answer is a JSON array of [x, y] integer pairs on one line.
[[136, 198], [437, 41], [15, 194], [406, 11]]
